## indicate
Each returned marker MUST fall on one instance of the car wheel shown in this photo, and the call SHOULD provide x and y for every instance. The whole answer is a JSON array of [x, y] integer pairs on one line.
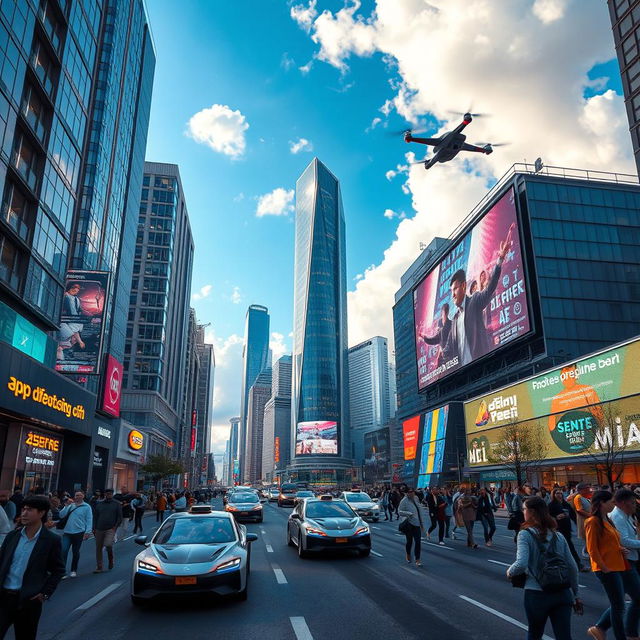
[[301, 552], [363, 553]]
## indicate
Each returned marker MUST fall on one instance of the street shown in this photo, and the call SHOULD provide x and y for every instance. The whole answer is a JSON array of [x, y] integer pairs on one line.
[[458, 593]]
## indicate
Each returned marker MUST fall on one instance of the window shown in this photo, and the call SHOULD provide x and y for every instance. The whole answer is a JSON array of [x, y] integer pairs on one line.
[[34, 112], [43, 292], [10, 263], [64, 154], [43, 67], [16, 211], [25, 161], [50, 244], [51, 24]]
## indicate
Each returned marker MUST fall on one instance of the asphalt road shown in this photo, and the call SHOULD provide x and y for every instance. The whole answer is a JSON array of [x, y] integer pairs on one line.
[[458, 593]]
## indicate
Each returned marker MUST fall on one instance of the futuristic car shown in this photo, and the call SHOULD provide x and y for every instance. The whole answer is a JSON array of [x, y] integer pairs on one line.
[[196, 552], [362, 504], [322, 524], [245, 506]]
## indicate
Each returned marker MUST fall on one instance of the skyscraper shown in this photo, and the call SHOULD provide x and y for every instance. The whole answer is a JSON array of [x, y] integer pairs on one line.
[[204, 409], [319, 402], [232, 461], [276, 434], [158, 319], [259, 394], [255, 358]]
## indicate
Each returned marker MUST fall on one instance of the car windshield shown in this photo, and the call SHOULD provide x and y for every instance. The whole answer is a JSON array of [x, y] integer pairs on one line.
[[244, 497], [195, 530], [357, 497], [328, 510], [305, 494]]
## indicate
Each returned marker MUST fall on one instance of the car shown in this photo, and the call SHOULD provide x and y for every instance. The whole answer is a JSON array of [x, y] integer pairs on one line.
[[244, 505], [362, 504], [196, 552], [305, 494], [273, 494], [287, 496], [323, 524]]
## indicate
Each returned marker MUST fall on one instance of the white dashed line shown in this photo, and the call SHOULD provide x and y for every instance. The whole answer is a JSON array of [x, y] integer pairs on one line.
[[504, 564], [103, 594], [127, 538], [269, 548], [279, 575], [440, 546], [300, 628], [375, 553], [374, 527], [500, 615]]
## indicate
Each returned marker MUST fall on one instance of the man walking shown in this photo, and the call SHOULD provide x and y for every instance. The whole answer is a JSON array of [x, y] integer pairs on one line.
[[161, 507], [8, 506], [108, 516], [582, 506], [77, 522], [30, 569], [138, 504]]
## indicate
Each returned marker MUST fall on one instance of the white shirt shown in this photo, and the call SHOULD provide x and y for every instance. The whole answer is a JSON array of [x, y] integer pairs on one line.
[[463, 348], [628, 534], [20, 560]]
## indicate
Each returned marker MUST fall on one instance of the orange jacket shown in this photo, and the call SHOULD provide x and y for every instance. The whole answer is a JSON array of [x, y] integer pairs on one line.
[[603, 546], [161, 503]]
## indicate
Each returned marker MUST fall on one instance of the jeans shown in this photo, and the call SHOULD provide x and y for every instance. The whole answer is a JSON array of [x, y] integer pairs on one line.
[[24, 615], [72, 541], [160, 516], [540, 606], [434, 522], [489, 525], [469, 527], [413, 536], [138, 520], [616, 584]]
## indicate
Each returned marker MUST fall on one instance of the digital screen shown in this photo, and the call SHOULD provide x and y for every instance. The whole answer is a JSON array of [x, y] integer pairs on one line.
[[433, 444], [410, 432], [317, 438], [377, 454], [475, 300]]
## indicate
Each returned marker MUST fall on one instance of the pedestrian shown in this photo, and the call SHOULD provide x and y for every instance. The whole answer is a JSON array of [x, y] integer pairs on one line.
[[395, 498], [384, 503], [76, 523], [138, 505], [108, 516], [180, 503], [582, 506], [37, 549], [486, 514], [413, 525], [561, 510], [161, 507], [448, 512], [516, 509], [539, 545], [431, 502], [6, 525], [457, 518], [8, 505], [95, 498], [17, 499], [441, 517], [468, 510], [614, 563]]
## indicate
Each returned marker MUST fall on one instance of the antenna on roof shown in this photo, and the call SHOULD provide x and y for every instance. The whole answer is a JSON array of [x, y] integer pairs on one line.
[[538, 165]]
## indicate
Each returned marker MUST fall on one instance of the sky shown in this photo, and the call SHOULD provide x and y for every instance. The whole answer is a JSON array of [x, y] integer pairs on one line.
[[247, 92]]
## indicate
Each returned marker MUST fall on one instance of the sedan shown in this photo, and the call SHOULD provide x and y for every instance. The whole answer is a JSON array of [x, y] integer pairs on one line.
[[198, 552], [245, 506], [322, 524], [273, 495], [362, 504]]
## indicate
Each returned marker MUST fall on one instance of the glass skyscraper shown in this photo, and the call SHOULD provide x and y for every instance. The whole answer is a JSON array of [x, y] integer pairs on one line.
[[255, 358], [320, 366]]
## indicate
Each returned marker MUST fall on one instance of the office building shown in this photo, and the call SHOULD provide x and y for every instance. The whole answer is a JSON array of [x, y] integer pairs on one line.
[[320, 442], [225, 465], [276, 439], [68, 202], [187, 433], [259, 395], [233, 462], [155, 393], [204, 408], [625, 19], [255, 358], [568, 285]]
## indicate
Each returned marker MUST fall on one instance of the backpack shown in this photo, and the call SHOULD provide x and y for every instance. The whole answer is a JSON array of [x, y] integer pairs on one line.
[[552, 572]]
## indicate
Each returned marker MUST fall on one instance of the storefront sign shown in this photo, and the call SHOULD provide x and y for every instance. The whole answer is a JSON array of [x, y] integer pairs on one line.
[[112, 387], [98, 461], [276, 450], [104, 432], [39, 452], [136, 440], [194, 433]]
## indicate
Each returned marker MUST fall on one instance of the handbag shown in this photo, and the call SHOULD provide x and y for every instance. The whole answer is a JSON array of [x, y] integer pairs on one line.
[[515, 521], [62, 523], [518, 581], [403, 527]]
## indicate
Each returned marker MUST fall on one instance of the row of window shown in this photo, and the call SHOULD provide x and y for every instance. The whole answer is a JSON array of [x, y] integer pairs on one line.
[[586, 250], [594, 232], [590, 309], [50, 244], [589, 290], [589, 330], [572, 194], [588, 270]]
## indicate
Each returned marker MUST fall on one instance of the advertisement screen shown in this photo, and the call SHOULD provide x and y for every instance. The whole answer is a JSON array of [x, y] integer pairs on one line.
[[112, 387], [317, 438], [578, 407], [377, 454], [82, 321], [410, 432], [433, 442], [475, 300]]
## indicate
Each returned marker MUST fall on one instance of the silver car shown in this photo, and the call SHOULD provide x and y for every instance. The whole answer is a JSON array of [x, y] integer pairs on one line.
[[198, 552], [362, 504]]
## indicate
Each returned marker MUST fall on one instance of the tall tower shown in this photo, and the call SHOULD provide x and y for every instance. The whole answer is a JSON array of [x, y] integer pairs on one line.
[[255, 358], [319, 403]]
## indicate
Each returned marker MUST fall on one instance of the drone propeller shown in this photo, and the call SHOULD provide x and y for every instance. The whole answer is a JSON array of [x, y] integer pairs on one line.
[[492, 144], [400, 132], [473, 115]]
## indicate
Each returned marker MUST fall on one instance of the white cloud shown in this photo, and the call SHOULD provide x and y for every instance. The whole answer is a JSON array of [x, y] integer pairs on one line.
[[239, 197], [220, 128], [287, 62], [390, 214], [304, 15], [304, 69], [301, 144], [236, 296], [278, 202], [526, 63], [277, 346], [374, 123], [203, 293]]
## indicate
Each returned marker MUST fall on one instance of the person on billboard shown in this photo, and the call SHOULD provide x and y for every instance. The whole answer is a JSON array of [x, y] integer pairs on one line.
[[69, 337], [71, 305], [441, 337], [574, 396], [486, 313], [469, 338]]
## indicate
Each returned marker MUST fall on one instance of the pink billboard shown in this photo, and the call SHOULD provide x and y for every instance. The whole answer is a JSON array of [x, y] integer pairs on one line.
[[475, 300], [112, 387]]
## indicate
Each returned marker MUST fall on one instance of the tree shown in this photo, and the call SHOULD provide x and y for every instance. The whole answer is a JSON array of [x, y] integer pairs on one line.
[[523, 447], [160, 467]]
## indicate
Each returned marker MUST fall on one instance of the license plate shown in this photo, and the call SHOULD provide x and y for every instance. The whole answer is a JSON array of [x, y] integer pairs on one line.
[[339, 540], [244, 513], [186, 580]]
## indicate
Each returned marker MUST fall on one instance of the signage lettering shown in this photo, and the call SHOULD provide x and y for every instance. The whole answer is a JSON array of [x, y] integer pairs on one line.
[[136, 440], [44, 442], [25, 391], [105, 433]]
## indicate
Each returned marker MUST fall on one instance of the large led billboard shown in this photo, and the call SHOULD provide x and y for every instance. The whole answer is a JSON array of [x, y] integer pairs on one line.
[[317, 438], [475, 300], [377, 454], [434, 435], [410, 434]]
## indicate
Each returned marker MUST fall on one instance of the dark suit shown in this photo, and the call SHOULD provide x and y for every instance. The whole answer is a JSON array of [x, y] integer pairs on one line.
[[44, 571], [441, 337], [476, 333]]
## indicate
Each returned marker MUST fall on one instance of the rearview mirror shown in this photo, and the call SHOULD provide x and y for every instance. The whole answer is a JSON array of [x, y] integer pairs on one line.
[[140, 540], [294, 516], [251, 537]]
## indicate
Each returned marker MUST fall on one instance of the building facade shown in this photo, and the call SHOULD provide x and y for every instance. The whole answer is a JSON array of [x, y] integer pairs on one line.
[[276, 440], [255, 358], [74, 107], [204, 408], [259, 395], [320, 427]]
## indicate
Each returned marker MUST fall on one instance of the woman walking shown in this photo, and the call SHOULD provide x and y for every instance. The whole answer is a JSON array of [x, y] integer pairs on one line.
[[384, 503], [448, 512], [560, 509], [468, 509], [410, 508], [486, 509], [536, 538], [608, 562]]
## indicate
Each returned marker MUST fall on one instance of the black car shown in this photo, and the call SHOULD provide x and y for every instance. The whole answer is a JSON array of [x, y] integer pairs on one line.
[[244, 506], [288, 493]]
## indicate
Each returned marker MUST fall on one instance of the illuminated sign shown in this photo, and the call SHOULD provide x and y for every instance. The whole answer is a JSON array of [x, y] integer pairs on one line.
[[39, 451], [39, 395], [194, 418], [136, 440], [44, 442], [276, 449], [112, 387], [105, 433], [317, 437], [433, 444], [194, 433], [410, 430]]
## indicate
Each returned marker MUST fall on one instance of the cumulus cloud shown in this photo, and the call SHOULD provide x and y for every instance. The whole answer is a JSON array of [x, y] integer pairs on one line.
[[524, 62], [287, 62], [278, 202], [390, 214], [203, 293], [220, 128], [304, 15], [301, 144], [236, 296], [277, 346]]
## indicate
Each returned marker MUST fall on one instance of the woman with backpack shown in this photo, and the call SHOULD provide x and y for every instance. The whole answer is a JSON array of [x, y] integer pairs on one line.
[[551, 585], [138, 504]]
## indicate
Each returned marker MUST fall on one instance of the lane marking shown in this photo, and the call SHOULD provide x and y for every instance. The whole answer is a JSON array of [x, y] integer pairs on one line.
[[262, 531], [500, 615], [504, 564], [374, 527], [440, 546], [300, 628], [280, 578], [127, 538], [269, 548], [103, 594], [375, 553]]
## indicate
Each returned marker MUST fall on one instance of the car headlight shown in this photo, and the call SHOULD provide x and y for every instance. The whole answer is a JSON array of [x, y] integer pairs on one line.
[[315, 532], [230, 508], [375, 507], [257, 507], [229, 565], [362, 531], [148, 567]]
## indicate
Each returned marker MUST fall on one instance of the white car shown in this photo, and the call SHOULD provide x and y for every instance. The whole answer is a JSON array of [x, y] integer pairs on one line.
[[362, 504]]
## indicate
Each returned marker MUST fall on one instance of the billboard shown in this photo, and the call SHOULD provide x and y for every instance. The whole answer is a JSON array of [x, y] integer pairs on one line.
[[573, 405], [475, 300], [82, 321], [377, 454], [112, 387], [433, 444], [410, 433], [317, 437]]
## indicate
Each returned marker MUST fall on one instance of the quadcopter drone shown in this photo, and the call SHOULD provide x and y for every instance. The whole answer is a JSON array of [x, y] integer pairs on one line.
[[450, 144]]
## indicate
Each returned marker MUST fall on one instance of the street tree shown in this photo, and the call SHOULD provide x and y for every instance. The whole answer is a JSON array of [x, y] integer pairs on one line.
[[160, 467]]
